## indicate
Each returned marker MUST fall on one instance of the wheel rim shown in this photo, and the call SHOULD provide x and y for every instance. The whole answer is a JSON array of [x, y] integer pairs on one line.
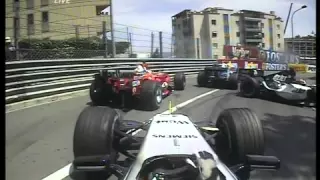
[[159, 95]]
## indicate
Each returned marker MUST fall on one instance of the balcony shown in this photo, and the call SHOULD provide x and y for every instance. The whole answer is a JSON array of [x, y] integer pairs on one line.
[[253, 28], [253, 40], [255, 19]]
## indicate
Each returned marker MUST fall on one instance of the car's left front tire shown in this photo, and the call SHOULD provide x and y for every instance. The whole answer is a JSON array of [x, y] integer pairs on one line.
[[94, 136]]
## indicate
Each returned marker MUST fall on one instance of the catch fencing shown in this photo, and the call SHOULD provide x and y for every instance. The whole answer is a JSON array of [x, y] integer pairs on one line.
[[30, 79]]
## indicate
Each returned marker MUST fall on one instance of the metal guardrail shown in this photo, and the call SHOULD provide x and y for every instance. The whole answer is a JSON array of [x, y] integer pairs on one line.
[[30, 79]]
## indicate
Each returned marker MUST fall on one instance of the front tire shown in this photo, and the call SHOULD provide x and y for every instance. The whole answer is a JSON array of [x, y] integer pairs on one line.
[[240, 134], [249, 87], [94, 135]]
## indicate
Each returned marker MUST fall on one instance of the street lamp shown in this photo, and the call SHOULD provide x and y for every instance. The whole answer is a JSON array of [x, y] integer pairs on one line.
[[292, 40]]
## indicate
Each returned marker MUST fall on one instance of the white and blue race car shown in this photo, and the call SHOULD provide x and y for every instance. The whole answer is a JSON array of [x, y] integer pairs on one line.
[[281, 85], [173, 147], [218, 76]]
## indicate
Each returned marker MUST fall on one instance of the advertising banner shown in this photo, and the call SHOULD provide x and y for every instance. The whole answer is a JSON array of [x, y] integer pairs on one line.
[[299, 67], [275, 67], [269, 56]]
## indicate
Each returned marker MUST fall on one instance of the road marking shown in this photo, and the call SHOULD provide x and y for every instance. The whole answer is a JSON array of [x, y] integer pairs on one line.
[[64, 172]]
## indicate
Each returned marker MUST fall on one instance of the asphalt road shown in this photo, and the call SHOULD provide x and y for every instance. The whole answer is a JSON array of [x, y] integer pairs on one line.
[[39, 139]]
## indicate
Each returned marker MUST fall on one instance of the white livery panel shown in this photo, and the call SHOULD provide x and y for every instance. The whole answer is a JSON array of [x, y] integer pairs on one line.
[[171, 134]]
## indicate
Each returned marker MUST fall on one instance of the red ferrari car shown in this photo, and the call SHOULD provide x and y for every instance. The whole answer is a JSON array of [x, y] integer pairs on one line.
[[126, 87]]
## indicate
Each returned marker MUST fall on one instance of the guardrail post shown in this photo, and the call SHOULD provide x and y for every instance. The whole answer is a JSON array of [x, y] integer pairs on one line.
[[104, 39], [160, 44]]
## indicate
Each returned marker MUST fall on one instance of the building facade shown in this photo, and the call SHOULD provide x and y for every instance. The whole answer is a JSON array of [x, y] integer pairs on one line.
[[56, 19], [203, 34], [303, 46]]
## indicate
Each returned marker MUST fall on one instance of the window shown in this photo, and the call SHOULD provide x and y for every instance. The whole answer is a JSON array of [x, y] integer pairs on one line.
[[30, 19], [215, 45], [99, 10], [45, 17], [227, 40], [30, 4], [226, 18], [278, 26], [44, 3], [278, 36], [263, 45], [214, 34], [215, 56], [238, 34], [237, 23], [262, 25], [279, 45], [30, 24], [262, 35], [226, 29], [213, 22], [15, 5], [45, 21]]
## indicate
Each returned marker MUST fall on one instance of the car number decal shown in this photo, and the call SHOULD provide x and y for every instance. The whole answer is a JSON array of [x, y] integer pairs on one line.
[[278, 77], [135, 83]]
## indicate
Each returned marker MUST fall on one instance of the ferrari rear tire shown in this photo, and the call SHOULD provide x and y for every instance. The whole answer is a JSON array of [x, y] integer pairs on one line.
[[240, 133], [202, 79], [179, 81], [98, 91], [151, 95], [94, 135]]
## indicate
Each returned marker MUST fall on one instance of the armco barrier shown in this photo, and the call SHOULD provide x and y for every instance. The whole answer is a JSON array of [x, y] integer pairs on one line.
[[40, 78]]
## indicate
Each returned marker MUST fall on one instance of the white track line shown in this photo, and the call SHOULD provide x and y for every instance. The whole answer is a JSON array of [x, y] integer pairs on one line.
[[64, 172]]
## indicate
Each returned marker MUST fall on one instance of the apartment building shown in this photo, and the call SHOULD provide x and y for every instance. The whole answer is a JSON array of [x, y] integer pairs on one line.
[[56, 19], [303, 46], [203, 34]]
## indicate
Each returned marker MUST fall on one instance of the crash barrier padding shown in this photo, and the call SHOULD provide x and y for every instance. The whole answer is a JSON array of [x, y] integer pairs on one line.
[[32, 79], [299, 67], [311, 68]]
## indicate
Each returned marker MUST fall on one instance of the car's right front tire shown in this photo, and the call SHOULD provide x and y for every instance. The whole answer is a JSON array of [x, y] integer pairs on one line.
[[240, 134]]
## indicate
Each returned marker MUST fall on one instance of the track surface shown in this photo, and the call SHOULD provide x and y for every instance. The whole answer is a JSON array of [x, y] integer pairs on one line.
[[39, 139]]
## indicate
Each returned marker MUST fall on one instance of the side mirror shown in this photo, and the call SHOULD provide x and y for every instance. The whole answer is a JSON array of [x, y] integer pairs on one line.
[[91, 163], [263, 162]]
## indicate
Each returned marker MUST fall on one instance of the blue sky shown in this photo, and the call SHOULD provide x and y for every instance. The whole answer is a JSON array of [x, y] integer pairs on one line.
[[156, 15]]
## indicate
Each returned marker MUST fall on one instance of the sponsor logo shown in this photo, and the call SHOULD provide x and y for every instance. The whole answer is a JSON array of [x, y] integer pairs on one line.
[[175, 136], [172, 122], [275, 67]]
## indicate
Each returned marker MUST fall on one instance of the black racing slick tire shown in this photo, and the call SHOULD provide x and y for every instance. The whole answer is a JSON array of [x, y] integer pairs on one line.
[[240, 134], [249, 87], [202, 79], [98, 91], [233, 81], [94, 135], [151, 95], [179, 81]]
